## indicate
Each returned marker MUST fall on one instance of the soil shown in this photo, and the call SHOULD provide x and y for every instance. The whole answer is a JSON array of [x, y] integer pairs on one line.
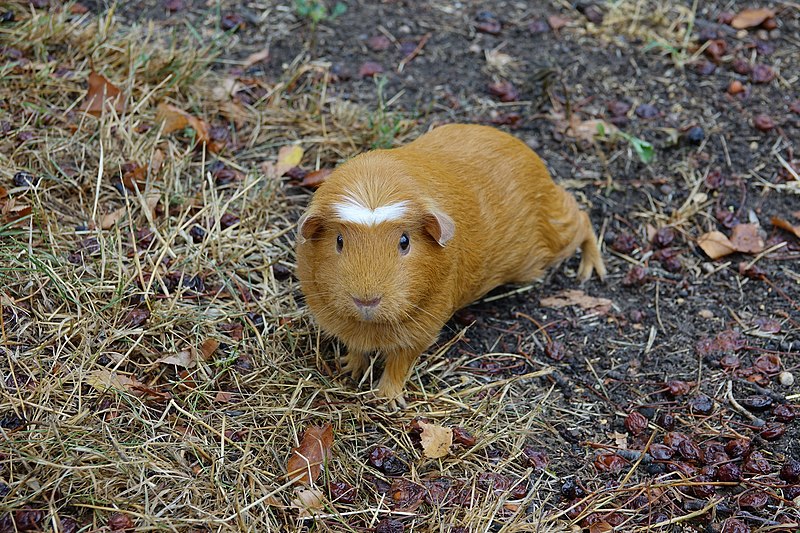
[[675, 314]]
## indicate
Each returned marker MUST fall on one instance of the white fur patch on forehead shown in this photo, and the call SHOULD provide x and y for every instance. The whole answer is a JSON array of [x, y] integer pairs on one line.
[[350, 210]]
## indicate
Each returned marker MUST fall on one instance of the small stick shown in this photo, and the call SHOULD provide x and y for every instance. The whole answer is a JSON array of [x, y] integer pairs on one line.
[[414, 53], [677, 519], [737, 406]]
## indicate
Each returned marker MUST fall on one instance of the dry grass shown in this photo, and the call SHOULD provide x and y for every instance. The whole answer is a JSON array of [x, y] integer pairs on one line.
[[92, 422], [664, 26]]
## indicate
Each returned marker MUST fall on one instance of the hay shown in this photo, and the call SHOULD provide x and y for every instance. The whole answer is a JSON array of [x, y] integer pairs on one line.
[[92, 422]]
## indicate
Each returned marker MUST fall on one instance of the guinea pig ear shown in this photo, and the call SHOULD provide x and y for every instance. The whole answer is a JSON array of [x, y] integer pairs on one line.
[[440, 226], [307, 226]]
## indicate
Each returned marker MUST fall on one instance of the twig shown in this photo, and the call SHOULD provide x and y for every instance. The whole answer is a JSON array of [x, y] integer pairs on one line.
[[737, 406], [683, 518], [414, 53]]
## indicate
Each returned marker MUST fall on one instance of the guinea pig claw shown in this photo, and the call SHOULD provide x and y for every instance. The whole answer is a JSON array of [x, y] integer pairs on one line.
[[396, 404]]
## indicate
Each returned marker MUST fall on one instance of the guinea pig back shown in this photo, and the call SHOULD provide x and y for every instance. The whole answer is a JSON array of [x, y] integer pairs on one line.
[[395, 241]]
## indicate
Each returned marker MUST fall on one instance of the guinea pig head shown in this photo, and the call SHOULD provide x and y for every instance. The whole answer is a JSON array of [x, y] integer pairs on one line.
[[370, 258]]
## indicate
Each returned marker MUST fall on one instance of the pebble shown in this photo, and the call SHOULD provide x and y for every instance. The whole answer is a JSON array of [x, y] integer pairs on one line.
[[786, 379], [695, 135], [706, 313]]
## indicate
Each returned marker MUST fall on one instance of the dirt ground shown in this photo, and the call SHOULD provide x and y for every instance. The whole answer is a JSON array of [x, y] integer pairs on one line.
[[707, 351]]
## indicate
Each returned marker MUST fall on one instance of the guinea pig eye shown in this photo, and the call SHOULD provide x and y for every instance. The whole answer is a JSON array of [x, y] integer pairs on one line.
[[405, 243], [339, 243]]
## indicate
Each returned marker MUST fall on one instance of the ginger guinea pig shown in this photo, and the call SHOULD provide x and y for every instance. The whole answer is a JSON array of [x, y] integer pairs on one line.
[[395, 241]]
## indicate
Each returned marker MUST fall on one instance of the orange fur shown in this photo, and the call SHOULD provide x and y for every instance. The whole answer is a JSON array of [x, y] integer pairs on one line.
[[480, 210]]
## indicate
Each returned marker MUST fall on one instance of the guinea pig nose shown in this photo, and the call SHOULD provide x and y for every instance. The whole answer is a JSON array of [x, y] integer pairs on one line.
[[372, 302]]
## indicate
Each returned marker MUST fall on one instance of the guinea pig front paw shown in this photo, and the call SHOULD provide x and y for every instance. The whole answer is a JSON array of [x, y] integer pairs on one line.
[[392, 393], [354, 363], [397, 404]]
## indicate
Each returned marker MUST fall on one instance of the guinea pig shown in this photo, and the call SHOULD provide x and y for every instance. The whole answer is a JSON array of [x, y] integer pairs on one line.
[[395, 241]]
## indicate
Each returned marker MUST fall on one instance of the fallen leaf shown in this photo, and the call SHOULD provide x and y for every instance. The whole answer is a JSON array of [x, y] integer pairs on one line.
[[12, 210], [223, 396], [176, 119], [188, 358], [436, 440], [306, 462], [745, 238], [257, 57], [577, 128], [715, 244], [288, 157], [314, 179], [183, 359], [156, 162], [102, 95], [133, 175], [308, 500], [786, 225], [136, 317], [104, 380], [750, 18], [109, 219], [207, 348], [577, 297]]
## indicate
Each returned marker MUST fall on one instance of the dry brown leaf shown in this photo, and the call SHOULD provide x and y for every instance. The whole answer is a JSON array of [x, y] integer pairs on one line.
[[183, 359], [188, 358], [436, 440], [176, 119], [109, 219], [745, 238], [156, 162], [306, 462], [786, 225], [207, 348], [104, 380], [750, 18], [102, 95], [151, 200], [308, 500], [577, 128], [223, 396], [12, 210], [577, 297], [715, 244]]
